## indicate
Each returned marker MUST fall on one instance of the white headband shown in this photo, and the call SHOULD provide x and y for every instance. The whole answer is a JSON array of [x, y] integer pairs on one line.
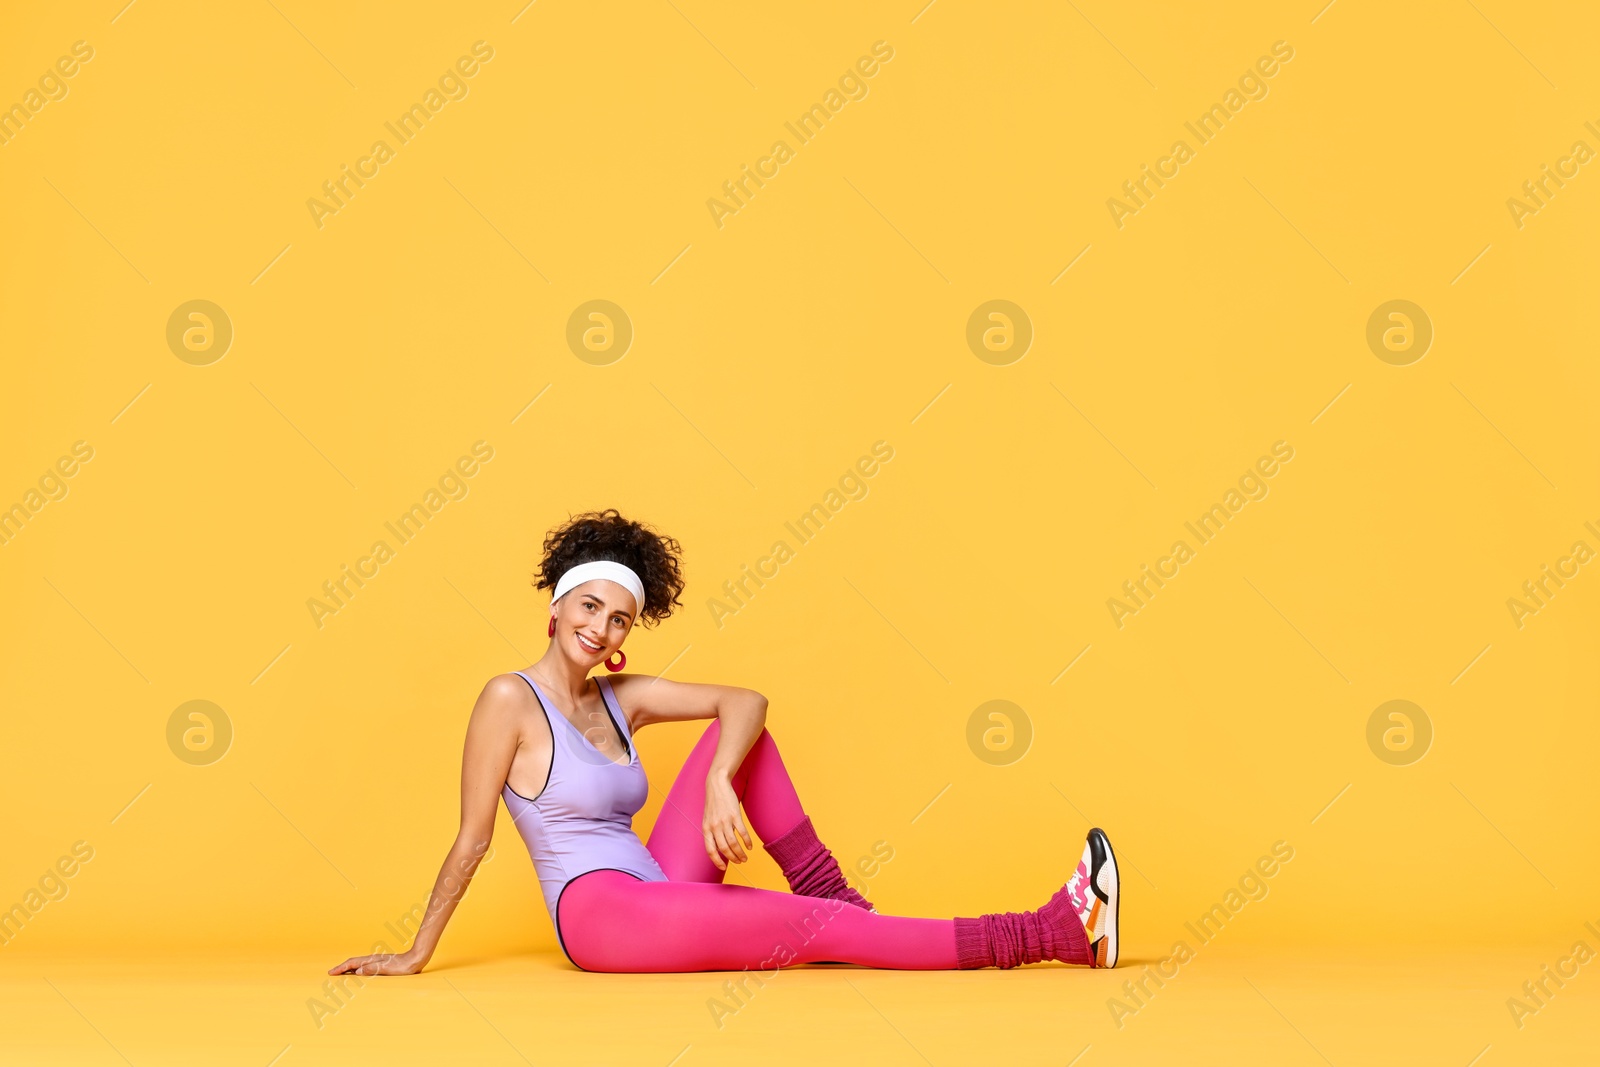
[[620, 573]]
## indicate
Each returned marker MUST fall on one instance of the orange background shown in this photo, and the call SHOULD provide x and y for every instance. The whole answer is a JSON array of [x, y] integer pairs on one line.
[[767, 355]]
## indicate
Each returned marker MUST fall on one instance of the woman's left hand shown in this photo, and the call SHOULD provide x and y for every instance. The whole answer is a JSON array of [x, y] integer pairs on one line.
[[724, 825]]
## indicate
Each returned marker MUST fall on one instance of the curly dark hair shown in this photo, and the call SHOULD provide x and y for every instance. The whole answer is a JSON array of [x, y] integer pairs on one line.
[[607, 535]]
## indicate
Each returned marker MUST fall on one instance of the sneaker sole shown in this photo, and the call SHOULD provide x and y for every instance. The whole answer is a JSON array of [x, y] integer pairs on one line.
[[1110, 894]]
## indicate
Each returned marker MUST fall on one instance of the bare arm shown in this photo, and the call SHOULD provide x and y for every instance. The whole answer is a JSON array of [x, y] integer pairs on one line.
[[491, 743], [741, 714]]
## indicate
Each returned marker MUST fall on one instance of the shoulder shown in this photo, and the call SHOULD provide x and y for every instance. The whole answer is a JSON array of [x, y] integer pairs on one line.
[[499, 716], [504, 694]]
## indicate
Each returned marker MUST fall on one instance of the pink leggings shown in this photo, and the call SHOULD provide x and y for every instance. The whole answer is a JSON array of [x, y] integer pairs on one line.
[[613, 921]]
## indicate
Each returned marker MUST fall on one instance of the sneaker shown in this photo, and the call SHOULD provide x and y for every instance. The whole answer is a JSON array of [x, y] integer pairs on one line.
[[1093, 889]]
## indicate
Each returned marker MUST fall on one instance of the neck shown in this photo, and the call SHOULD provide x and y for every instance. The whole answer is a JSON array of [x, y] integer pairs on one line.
[[562, 676]]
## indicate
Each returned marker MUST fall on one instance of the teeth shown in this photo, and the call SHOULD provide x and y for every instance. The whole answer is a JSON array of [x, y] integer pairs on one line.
[[584, 641]]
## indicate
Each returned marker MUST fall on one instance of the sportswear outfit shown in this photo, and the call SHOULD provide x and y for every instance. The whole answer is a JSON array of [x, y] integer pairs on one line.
[[621, 905]]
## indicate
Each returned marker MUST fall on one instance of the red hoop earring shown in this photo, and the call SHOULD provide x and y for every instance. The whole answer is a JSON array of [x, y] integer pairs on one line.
[[623, 662], [552, 631]]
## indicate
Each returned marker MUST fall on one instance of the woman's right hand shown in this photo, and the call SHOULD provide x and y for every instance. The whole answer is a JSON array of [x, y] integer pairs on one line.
[[381, 963]]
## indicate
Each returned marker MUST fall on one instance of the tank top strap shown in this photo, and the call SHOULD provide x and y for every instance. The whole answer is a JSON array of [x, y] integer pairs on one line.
[[611, 702], [539, 699]]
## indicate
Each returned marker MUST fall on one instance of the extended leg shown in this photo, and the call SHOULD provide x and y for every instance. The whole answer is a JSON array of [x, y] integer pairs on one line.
[[770, 802], [613, 921]]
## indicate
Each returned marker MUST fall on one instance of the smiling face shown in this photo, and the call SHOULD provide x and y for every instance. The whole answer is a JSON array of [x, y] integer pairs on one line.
[[592, 619]]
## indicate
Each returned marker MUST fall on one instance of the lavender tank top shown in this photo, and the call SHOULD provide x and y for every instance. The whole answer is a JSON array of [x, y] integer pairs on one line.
[[582, 820]]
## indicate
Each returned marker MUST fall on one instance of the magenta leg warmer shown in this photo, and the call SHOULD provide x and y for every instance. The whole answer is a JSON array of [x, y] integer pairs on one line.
[[809, 866], [1010, 938]]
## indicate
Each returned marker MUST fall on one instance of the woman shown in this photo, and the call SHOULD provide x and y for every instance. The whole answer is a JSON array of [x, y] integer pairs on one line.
[[557, 747]]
